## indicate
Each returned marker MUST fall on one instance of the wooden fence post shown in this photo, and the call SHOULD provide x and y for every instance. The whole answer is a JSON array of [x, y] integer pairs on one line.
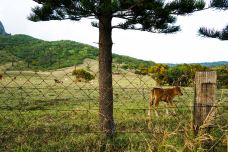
[[205, 89]]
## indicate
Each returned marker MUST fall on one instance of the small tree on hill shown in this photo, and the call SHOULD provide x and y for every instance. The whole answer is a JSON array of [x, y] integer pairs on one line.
[[146, 15]]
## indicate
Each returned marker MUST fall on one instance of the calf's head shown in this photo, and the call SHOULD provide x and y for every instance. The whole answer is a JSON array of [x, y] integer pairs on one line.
[[178, 91]]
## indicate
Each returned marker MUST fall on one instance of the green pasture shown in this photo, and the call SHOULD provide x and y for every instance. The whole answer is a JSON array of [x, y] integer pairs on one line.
[[37, 114]]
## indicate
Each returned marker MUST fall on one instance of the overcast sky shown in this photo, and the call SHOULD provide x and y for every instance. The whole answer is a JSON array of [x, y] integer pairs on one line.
[[183, 47]]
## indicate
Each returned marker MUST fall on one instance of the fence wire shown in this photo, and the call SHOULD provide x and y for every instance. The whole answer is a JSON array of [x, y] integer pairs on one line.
[[53, 111]]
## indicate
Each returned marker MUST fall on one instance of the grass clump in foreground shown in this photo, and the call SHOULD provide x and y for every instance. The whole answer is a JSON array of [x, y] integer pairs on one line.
[[50, 130]]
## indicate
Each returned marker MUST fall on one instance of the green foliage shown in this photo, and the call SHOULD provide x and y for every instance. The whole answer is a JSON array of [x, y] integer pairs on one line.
[[182, 74], [222, 35], [209, 32], [222, 75], [151, 15], [221, 4], [159, 73], [185, 6], [43, 55], [83, 74]]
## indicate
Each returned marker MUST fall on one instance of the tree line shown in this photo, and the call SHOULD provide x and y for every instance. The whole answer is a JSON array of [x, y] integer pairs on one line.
[[181, 74]]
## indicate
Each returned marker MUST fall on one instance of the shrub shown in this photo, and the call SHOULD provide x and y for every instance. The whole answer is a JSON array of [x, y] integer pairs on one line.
[[182, 74], [222, 76], [83, 74]]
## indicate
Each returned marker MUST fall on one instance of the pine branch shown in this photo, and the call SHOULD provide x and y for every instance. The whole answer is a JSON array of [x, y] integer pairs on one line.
[[182, 7], [171, 29], [209, 32], [67, 9], [220, 4], [222, 35], [145, 15]]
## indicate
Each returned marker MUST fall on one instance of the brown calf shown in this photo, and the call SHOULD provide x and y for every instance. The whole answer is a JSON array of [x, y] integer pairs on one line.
[[58, 81], [166, 95]]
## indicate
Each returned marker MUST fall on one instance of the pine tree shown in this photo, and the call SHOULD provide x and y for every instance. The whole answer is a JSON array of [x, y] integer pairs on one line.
[[145, 15], [223, 34]]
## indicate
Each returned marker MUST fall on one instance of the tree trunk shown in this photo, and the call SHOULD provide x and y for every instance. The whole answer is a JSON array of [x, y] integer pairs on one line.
[[105, 75]]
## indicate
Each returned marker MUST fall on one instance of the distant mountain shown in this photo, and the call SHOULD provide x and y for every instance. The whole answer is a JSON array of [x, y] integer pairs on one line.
[[2, 29], [207, 64], [213, 64], [48, 55]]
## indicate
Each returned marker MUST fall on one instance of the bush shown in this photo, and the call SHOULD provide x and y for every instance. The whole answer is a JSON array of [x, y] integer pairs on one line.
[[182, 74], [83, 74], [222, 76]]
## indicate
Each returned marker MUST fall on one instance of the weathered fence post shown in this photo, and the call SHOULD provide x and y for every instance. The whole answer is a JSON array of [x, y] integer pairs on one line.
[[205, 89]]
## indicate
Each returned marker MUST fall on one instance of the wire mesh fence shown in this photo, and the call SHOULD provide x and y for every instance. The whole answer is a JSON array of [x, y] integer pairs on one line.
[[54, 111]]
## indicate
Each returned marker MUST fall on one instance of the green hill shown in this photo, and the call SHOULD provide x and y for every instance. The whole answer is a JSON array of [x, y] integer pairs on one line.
[[26, 52]]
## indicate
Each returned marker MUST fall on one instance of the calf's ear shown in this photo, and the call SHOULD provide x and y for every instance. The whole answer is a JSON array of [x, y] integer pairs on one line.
[[177, 84]]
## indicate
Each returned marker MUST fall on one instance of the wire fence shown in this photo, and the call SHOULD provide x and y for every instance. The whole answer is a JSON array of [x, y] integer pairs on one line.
[[53, 111]]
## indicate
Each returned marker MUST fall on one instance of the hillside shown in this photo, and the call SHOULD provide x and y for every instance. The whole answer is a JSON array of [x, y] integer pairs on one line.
[[26, 52]]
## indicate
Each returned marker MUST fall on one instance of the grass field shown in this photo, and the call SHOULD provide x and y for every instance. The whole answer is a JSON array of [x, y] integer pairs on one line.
[[36, 114]]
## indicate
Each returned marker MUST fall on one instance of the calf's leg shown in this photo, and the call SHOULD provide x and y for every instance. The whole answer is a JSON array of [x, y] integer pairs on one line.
[[156, 106], [167, 107], [173, 107]]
